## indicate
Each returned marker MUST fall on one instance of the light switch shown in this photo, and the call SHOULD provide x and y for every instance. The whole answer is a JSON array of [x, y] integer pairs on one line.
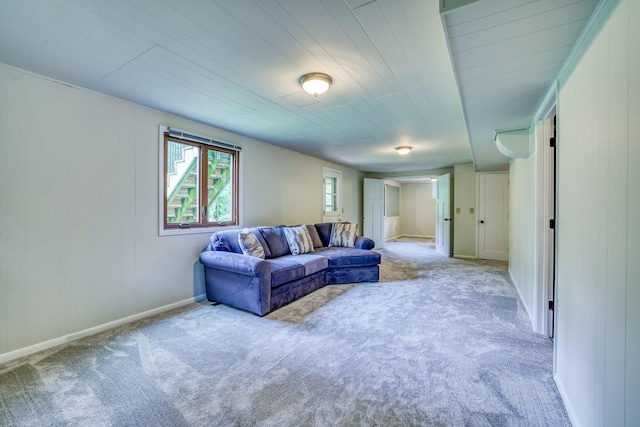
[[457, 210], [472, 210]]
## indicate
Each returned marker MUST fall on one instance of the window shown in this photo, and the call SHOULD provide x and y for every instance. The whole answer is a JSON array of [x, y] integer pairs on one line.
[[331, 194], [200, 182]]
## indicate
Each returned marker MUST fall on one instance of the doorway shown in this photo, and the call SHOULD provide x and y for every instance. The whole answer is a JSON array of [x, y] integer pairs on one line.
[[546, 140]]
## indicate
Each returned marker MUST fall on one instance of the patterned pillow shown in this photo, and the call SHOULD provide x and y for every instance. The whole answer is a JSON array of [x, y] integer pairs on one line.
[[298, 239], [343, 234], [250, 244]]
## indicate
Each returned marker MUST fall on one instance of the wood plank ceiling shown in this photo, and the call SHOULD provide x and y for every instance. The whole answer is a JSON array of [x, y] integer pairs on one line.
[[506, 55], [235, 64]]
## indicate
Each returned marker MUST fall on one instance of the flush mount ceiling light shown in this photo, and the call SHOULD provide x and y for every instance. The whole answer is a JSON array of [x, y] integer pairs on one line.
[[315, 83], [403, 150]]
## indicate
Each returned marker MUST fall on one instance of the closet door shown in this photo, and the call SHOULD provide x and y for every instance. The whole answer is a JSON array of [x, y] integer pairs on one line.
[[373, 211], [493, 216], [443, 216]]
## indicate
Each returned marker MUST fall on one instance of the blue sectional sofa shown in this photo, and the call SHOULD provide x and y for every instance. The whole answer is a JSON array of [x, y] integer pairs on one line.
[[260, 286]]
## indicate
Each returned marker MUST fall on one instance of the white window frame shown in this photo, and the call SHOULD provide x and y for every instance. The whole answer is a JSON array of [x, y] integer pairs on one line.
[[332, 216]]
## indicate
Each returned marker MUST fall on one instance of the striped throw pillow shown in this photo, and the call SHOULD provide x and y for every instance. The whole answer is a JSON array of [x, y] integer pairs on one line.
[[298, 239], [250, 244], [343, 234]]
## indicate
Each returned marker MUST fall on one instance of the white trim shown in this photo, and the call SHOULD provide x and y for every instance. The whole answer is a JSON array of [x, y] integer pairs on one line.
[[539, 312], [527, 309], [337, 215], [26, 351], [181, 134], [418, 236], [465, 256], [564, 396], [586, 30], [388, 239], [548, 104]]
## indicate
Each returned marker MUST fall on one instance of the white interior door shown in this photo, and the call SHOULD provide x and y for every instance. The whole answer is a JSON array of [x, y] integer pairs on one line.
[[373, 211], [443, 215], [493, 216]]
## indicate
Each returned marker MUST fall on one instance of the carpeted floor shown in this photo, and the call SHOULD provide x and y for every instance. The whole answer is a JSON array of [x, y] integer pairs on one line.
[[437, 342]]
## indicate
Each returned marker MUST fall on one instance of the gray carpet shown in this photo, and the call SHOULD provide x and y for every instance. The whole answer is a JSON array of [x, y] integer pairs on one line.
[[438, 342]]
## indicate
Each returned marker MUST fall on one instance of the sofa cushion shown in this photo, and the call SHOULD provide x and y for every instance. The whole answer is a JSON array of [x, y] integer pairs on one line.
[[312, 263], [315, 237], [339, 256], [343, 234], [226, 241], [285, 269], [277, 243], [250, 244], [298, 239], [324, 232]]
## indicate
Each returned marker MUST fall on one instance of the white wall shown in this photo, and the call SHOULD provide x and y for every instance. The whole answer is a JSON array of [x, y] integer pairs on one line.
[[464, 221], [597, 344], [393, 224], [522, 229], [418, 209], [79, 244]]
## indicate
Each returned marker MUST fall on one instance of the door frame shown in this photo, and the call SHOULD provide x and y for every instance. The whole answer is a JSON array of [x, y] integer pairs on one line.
[[546, 241]]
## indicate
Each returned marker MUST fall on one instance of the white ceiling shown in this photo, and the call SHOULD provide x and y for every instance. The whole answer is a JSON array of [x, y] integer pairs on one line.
[[507, 54], [235, 64]]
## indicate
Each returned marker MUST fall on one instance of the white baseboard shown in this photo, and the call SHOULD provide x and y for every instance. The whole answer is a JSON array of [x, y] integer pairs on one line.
[[527, 309], [567, 404], [26, 351], [409, 235], [465, 256]]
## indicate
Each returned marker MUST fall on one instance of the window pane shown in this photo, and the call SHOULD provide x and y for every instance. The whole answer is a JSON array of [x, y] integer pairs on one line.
[[182, 183], [330, 197], [220, 186], [328, 202]]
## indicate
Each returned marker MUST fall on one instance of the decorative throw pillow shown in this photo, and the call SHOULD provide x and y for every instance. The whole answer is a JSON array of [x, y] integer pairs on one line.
[[250, 244], [343, 234], [298, 239], [315, 237]]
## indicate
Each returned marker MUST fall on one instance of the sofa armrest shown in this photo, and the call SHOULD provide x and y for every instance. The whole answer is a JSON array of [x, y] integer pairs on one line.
[[234, 263], [364, 243]]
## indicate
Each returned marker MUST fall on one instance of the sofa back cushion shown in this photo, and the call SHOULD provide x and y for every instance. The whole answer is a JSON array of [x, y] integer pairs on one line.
[[315, 237], [275, 240], [324, 231], [227, 241]]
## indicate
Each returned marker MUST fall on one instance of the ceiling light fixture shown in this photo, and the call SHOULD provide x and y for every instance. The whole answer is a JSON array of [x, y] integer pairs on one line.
[[403, 150], [315, 83]]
